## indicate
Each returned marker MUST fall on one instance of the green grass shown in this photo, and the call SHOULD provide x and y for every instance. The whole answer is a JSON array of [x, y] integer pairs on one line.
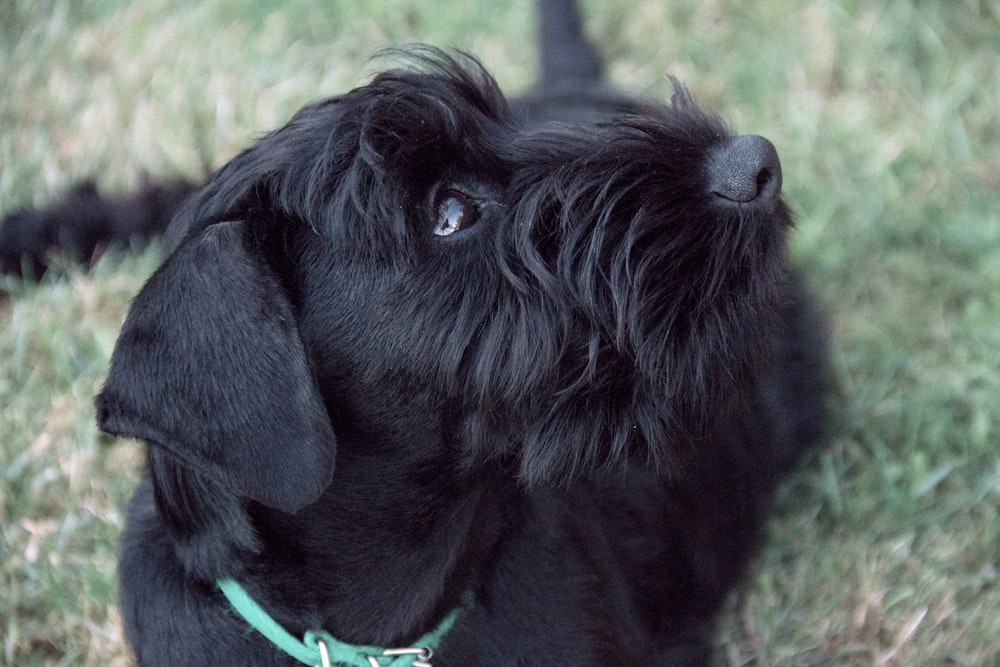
[[885, 548]]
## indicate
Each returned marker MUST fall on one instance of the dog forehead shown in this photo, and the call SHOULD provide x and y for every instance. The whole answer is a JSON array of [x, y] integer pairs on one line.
[[437, 96], [406, 132]]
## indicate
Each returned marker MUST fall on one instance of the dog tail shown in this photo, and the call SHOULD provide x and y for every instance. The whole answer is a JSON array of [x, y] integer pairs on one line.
[[566, 55], [79, 226]]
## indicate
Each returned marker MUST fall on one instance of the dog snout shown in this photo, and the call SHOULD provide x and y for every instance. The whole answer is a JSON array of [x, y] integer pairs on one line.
[[745, 170]]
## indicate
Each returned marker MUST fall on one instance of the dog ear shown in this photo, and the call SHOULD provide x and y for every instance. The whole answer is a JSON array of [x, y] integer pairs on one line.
[[210, 366]]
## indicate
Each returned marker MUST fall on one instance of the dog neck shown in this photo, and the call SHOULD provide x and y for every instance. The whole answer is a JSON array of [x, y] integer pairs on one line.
[[406, 536], [388, 551]]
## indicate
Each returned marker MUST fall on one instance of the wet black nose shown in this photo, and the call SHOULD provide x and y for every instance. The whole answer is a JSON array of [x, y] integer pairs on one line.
[[745, 169]]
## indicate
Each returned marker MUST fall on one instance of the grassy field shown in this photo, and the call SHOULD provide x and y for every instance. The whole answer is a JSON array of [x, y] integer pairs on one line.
[[886, 547]]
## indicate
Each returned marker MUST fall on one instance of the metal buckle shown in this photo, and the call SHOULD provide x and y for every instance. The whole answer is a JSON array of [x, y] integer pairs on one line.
[[421, 656], [324, 654]]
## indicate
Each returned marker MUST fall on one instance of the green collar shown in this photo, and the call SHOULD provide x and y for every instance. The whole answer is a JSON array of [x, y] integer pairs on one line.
[[320, 649]]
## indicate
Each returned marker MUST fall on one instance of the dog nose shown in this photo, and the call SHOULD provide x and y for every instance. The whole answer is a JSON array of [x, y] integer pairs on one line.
[[745, 169]]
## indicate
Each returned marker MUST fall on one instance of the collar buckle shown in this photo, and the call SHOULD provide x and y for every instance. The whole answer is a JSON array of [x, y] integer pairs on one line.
[[421, 656], [324, 654]]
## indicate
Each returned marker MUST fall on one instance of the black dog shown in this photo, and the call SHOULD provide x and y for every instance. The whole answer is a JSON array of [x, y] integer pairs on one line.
[[421, 371]]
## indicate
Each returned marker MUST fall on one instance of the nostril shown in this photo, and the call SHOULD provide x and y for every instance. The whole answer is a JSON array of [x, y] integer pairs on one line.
[[745, 169], [763, 178], [768, 183]]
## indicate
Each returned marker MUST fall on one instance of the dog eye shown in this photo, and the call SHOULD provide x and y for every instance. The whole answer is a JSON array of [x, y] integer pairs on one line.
[[456, 211]]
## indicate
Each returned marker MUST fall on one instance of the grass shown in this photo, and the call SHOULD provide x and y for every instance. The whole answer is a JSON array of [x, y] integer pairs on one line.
[[885, 548]]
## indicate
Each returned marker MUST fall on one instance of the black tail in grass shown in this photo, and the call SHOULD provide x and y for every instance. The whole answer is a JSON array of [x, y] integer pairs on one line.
[[84, 223]]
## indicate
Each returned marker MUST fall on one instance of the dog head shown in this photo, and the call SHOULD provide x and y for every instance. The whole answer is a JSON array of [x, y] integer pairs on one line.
[[411, 263]]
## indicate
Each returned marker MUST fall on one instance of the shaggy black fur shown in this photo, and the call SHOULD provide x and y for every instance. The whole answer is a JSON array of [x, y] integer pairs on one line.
[[81, 225], [418, 347]]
